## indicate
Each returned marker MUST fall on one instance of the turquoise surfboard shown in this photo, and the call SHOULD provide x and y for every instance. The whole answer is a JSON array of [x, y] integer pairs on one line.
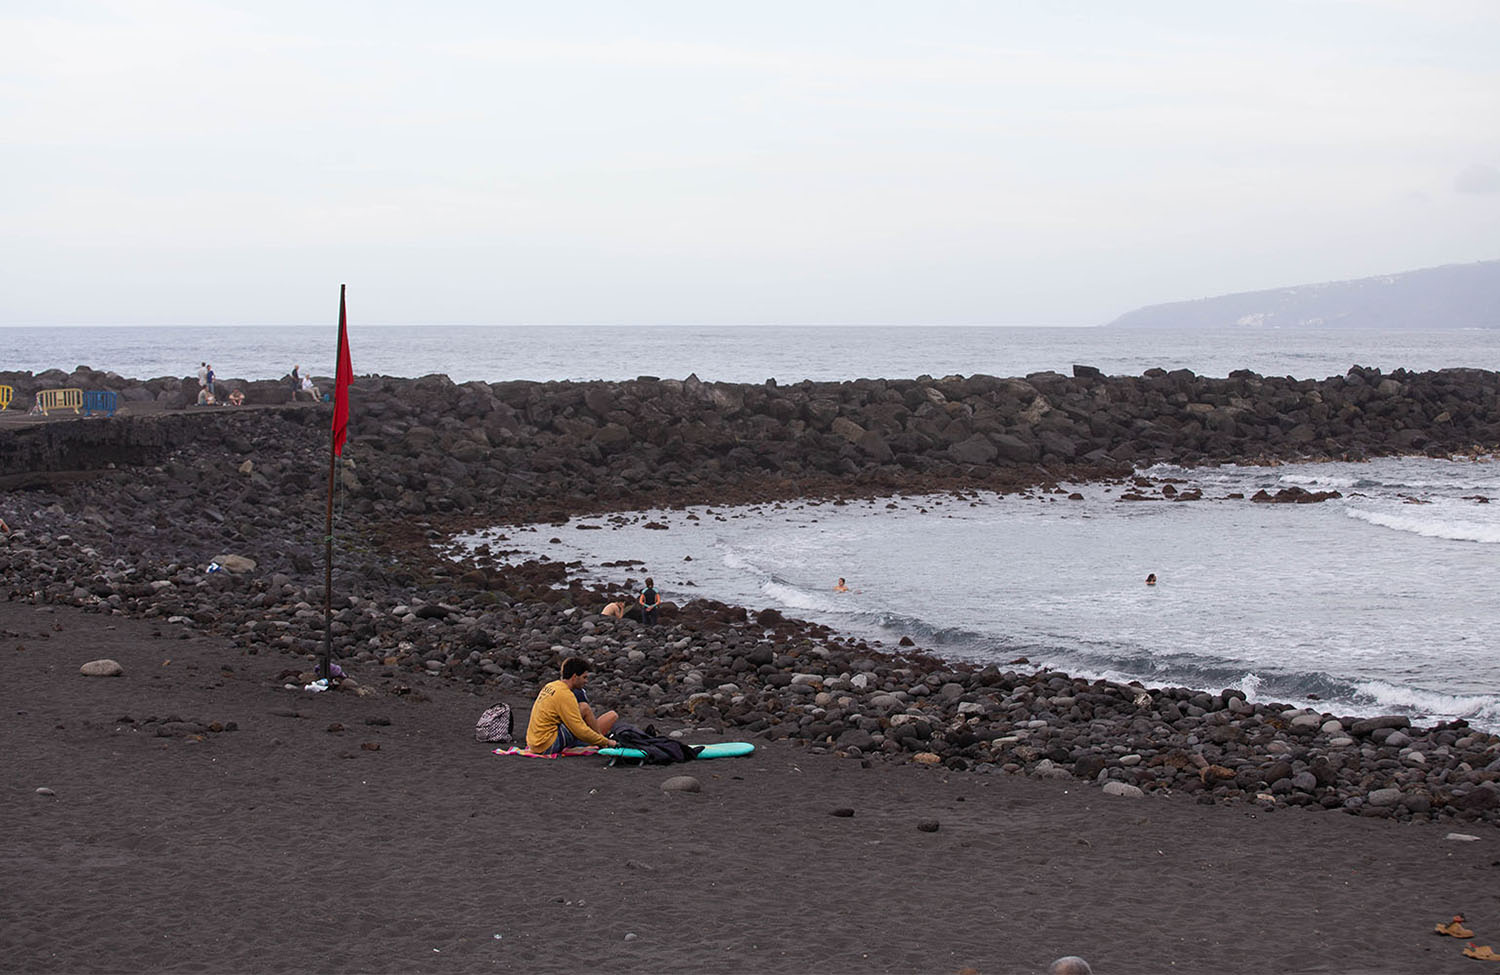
[[722, 749]]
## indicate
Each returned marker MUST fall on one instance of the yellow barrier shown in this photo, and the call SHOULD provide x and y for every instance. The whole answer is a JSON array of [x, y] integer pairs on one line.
[[6, 392], [59, 399]]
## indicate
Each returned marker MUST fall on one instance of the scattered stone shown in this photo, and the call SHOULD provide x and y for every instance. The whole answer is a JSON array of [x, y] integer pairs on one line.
[[929, 825], [235, 564], [682, 783], [44, 791], [1122, 789], [101, 668], [844, 812]]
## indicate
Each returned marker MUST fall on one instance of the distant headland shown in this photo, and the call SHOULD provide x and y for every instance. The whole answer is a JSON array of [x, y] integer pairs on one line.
[[1451, 296]]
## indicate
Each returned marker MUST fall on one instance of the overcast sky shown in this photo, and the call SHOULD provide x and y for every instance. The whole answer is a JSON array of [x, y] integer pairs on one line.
[[714, 162]]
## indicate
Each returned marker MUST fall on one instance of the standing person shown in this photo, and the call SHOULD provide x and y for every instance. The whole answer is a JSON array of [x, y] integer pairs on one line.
[[650, 601], [202, 374], [296, 379], [208, 378], [559, 719]]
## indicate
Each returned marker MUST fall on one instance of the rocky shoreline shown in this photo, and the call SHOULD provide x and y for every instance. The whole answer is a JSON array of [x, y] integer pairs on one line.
[[123, 515]]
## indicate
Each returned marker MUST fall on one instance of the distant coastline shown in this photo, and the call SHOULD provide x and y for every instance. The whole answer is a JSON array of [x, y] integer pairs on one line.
[[1451, 296]]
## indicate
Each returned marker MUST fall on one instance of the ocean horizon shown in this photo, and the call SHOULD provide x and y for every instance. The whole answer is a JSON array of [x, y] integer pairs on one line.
[[744, 354]]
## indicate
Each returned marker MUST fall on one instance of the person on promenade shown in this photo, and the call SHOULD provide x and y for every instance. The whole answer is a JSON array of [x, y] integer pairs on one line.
[[1070, 965], [296, 379], [236, 398], [202, 374], [205, 396], [650, 601], [562, 717], [841, 587], [310, 389]]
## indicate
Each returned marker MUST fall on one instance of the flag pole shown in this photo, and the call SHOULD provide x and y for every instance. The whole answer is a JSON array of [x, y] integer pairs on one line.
[[335, 447]]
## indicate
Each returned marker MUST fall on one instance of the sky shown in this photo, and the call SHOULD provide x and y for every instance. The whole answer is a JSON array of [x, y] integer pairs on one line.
[[656, 162]]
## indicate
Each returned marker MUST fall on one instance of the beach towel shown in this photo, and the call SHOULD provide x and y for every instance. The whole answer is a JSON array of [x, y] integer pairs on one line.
[[565, 753]]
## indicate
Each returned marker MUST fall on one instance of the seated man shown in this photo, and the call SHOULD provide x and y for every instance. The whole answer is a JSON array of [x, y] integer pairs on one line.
[[205, 396], [562, 717], [236, 398]]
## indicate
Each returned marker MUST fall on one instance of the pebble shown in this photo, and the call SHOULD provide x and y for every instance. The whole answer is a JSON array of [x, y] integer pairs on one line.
[[101, 668], [1122, 789], [682, 783], [843, 812], [44, 791], [929, 825]]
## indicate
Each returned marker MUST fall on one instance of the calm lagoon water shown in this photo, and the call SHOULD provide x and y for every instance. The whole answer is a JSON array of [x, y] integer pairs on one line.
[[1379, 602]]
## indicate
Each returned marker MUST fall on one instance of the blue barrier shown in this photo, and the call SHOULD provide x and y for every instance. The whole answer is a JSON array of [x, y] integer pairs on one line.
[[100, 401]]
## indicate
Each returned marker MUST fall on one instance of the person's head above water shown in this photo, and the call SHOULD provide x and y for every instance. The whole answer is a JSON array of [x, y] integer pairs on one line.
[[1069, 965], [1151, 579]]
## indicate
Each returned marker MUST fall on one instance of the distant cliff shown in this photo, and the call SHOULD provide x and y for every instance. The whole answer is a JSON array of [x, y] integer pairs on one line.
[[1451, 296]]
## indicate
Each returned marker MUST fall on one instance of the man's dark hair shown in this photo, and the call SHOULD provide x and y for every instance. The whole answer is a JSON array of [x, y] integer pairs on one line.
[[574, 666]]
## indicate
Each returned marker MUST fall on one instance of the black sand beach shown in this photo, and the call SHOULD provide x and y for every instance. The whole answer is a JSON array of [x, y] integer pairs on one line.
[[289, 845]]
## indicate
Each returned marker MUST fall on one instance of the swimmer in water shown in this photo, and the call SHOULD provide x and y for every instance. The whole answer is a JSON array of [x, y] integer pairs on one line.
[[1151, 579], [841, 587]]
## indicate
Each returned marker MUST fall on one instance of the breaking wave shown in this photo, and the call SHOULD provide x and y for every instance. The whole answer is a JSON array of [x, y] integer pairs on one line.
[[1430, 527]]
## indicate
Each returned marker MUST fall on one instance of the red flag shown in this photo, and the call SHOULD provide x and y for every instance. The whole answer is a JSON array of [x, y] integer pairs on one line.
[[341, 380]]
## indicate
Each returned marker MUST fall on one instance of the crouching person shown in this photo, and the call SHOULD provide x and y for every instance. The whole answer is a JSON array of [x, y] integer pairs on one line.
[[562, 716]]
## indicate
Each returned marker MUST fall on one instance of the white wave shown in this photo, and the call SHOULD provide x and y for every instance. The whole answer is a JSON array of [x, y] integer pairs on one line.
[[795, 598], [1430, 527], [1320, 480], [1476, 708], [1250, 685], [734, 559], [1477, 487]]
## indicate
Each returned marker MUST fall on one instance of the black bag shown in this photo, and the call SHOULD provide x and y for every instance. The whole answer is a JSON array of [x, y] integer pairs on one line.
[[496, 724], [659, 749]]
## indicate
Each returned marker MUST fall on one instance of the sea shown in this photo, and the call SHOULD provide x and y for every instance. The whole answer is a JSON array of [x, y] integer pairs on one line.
[[1379, 601]]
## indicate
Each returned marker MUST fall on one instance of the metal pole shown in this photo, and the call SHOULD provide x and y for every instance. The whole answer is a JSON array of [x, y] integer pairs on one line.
[[327, 663]]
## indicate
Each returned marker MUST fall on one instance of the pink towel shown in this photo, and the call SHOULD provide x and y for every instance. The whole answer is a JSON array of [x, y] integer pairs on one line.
[[565, 753]]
